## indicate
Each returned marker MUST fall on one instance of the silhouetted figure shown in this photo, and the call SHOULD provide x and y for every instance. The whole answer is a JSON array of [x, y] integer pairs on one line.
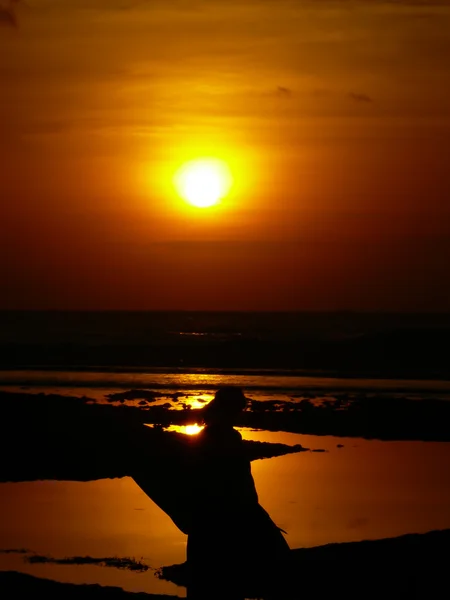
[[232, 541]]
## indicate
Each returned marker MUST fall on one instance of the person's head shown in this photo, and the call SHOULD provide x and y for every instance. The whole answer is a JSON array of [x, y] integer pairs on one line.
[[225, 407]]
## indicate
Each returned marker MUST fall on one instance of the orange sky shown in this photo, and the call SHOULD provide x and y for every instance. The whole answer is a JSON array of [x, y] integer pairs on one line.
[[333, 114]]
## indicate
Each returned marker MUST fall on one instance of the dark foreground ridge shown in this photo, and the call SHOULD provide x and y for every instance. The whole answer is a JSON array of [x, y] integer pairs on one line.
[[413, 564], [15, 585]]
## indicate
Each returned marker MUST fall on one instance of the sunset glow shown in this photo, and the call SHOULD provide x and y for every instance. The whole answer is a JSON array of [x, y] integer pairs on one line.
[[245, 154], [203, 182]]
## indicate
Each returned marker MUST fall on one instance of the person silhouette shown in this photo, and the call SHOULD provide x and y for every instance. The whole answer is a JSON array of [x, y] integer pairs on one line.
[[232, 541]]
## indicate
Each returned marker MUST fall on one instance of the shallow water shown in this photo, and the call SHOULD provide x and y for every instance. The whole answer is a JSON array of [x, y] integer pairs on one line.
[[105, 518], [364, 489]]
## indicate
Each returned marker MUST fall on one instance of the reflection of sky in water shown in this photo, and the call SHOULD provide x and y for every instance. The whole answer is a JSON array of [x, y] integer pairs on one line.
[[365, 489], [96, 518], [194, 401]]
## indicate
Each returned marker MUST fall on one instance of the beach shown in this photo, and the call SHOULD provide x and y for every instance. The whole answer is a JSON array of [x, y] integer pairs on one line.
[[337, 460], [67, 490]]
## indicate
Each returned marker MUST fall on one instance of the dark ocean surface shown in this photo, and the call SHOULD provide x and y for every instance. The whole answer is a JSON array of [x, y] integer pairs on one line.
[[341, 344]]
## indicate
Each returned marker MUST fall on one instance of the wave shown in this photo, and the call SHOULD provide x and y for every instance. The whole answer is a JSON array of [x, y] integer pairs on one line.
[[207, 380]]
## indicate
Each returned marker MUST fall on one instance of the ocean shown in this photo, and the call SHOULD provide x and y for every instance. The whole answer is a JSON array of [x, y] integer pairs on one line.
[[340, 344]]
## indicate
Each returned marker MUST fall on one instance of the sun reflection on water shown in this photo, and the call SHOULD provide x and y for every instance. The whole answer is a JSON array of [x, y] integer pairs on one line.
[[186, 429], [192, 429], [199, 401]]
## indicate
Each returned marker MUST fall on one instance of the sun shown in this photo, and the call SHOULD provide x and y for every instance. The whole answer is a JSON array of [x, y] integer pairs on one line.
[[203, 182]]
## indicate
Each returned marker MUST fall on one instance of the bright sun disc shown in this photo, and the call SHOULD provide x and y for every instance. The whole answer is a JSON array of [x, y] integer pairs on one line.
[[203, 182]]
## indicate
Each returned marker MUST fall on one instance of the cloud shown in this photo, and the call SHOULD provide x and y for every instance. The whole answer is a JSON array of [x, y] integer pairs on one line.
[[283, 91], [8, 17], [360, 97]]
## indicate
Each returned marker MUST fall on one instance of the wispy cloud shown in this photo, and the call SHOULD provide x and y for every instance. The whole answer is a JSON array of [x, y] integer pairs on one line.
[[360, 97], [283, 92], [8, 16]]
